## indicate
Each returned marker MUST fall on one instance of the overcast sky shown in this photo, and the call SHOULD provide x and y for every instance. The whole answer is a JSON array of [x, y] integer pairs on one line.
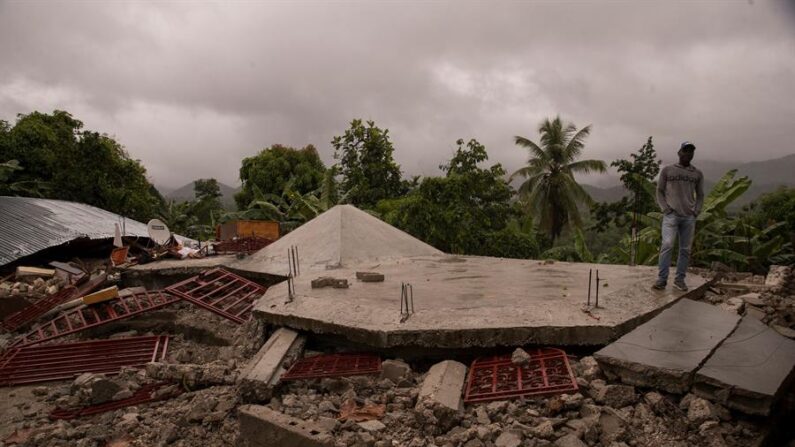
[[191, 88]]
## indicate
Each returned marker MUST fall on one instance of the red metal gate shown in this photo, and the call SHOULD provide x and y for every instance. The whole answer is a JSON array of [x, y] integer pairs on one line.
[[494, 378], [222, 292], [32, 364], [333, 365], [94, 315]]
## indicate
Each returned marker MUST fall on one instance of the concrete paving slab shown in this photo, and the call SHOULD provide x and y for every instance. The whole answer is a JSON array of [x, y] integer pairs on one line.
[[748, 371], [262, 373], [262, 427], [666, 351], [465, 301]]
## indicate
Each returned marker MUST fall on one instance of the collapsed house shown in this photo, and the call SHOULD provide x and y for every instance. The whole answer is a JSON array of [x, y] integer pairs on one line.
[[349, 332]]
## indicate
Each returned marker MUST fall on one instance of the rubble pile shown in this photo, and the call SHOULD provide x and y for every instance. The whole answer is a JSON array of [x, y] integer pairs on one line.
[[604, 414], [770, 300]]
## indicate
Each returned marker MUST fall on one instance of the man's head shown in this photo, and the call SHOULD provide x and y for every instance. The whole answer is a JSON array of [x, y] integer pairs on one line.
[[686, 152]]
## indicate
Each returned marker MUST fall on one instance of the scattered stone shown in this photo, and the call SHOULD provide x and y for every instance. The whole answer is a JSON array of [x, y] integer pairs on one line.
[[520, 357], [570, 440], [192, 374], [616, 396], [372, 426], [543, 430], [394, 370], [753, 299], [699, 411], [508, 439]]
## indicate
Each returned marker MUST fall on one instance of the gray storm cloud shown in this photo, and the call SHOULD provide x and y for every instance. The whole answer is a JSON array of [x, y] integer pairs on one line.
[[192, 88]]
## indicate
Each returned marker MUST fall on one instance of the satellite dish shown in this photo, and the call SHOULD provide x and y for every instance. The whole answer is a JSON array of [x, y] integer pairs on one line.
[[158, 231]]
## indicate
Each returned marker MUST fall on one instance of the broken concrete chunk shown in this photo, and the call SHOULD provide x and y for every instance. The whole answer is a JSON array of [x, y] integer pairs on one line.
[[328, 281], [734, 305], [665, 352], [508, 439], [570, 440], [370, 276], [394, 370], [777, 276], [27, 272], [616, 396], [441, 392], [520, 357], [262, 427], [752, 299], [372, 425], [192, 374], [749, 371], [263, 372]]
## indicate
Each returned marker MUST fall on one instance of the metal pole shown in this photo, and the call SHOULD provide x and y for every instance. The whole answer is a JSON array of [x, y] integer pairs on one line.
[[590, 274], [597, 289]]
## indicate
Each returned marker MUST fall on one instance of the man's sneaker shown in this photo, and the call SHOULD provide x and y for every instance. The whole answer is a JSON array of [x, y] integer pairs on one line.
[[659, 285], [680, 285]]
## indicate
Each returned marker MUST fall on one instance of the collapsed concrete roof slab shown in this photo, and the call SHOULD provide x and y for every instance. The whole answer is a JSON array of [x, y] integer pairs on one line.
[[666, 351], [749, 370], [465, 301], [342, 236]]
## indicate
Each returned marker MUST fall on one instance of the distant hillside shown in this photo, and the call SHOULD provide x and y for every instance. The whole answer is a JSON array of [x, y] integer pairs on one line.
[[185, 193], [766, 176]]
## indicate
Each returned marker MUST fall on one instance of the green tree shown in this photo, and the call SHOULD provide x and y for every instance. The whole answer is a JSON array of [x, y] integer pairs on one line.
[[368, 171], [635, 174], [273, 167], [78, 165], [207, 206], [468, 211], [550, 189]]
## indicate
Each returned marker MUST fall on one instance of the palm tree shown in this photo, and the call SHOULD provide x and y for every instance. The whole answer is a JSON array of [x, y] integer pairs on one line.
[[550, 190]]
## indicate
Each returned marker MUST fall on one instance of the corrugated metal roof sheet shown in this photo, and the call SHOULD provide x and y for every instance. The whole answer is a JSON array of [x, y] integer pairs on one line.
[[29, 225]]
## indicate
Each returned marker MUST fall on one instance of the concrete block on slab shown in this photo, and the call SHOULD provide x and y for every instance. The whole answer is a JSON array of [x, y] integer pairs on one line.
[[262, 427], [750, 370], [665, 352], [441, 392], [264, 370]]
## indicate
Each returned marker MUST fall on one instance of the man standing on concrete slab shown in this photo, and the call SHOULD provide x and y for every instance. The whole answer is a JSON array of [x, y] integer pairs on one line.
[[680, 194]]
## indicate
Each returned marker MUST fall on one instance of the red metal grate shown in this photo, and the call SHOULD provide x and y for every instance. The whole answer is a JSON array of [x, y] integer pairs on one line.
[[222, 292], [94, 315], [143, 395], [248, 245], [37, 309], [495, 378], [41, 307], [333, 365], [32, 364]]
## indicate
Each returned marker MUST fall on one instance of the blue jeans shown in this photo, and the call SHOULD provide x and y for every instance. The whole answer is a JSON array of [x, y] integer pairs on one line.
[[673, 225]]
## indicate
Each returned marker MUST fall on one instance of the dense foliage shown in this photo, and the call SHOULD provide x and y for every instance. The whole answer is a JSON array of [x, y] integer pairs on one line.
[[271, 169], [69, 163], [368, 171], [467, 211]]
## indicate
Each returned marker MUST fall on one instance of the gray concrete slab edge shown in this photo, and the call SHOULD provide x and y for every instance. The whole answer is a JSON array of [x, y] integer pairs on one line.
[[261, 375], [262, 427]]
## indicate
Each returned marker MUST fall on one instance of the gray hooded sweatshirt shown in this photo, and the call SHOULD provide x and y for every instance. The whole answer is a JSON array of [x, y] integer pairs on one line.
[[681, 190]]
